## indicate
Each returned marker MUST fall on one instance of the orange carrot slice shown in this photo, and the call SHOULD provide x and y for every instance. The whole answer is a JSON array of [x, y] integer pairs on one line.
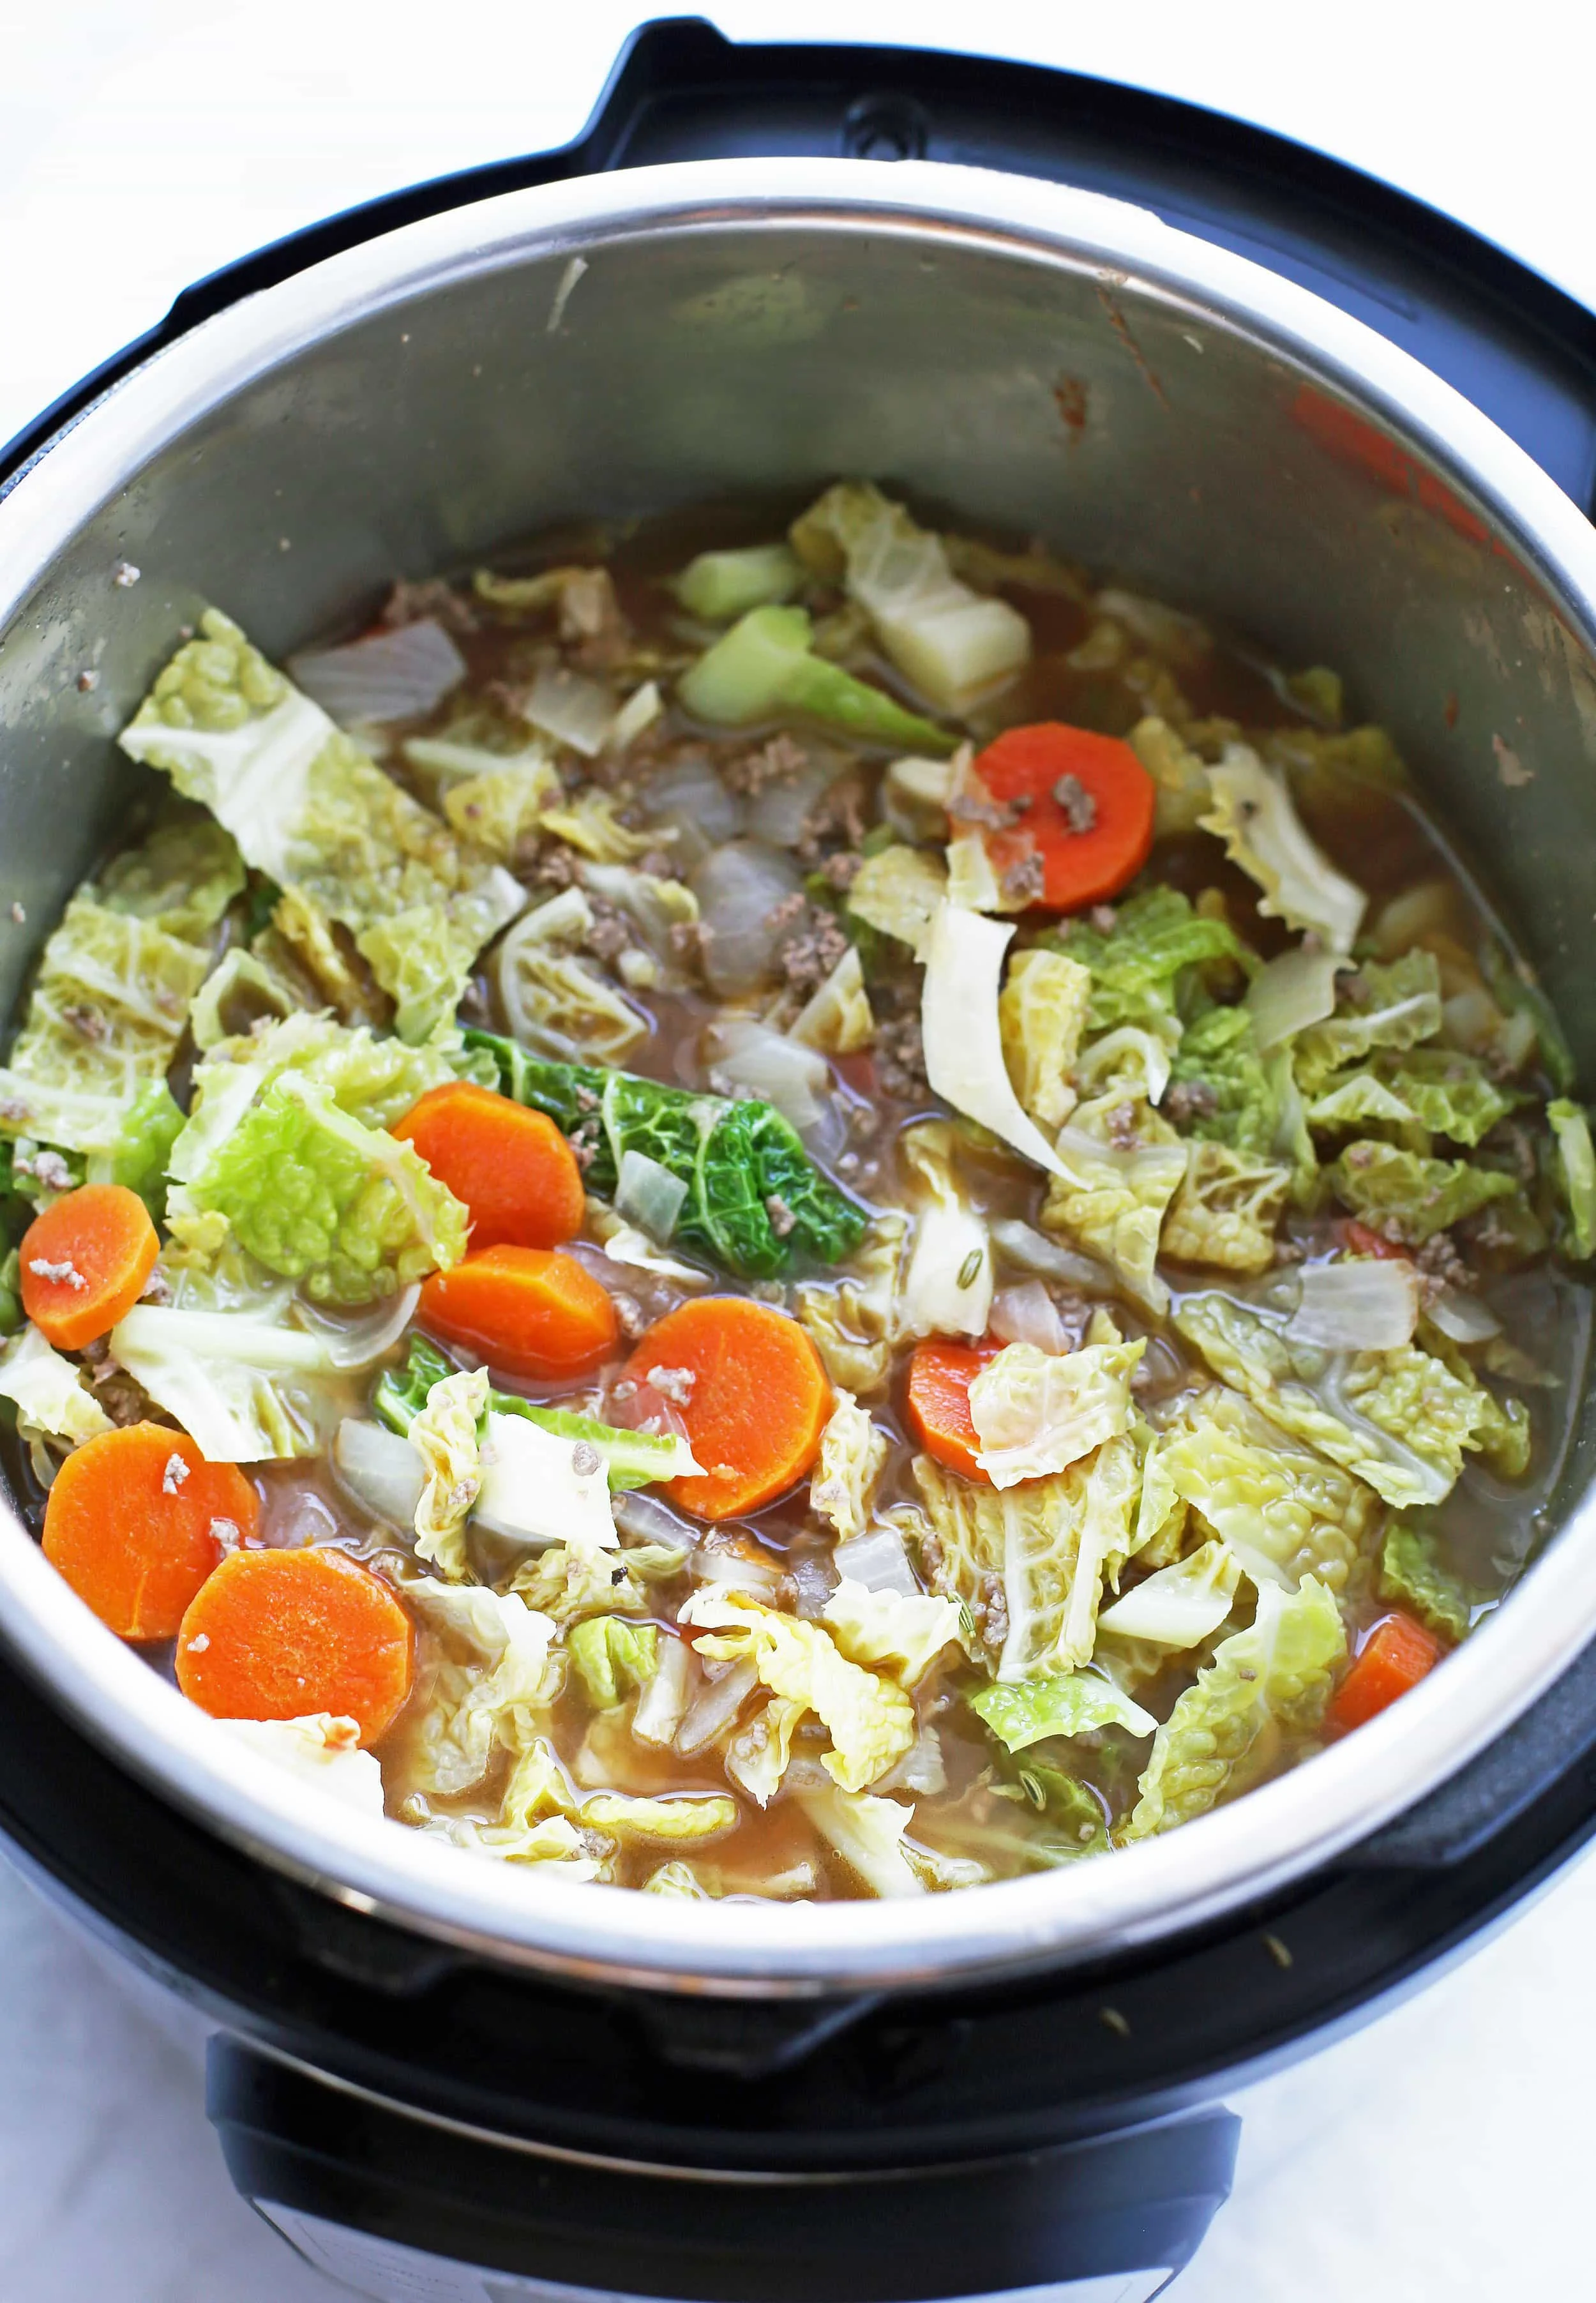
[[137, 1519], [1396, 1656], [936, 1405], [752, 1395], [85, 1262], [281, 1635], [525, 1311], [511, 1167], [1088, 811]]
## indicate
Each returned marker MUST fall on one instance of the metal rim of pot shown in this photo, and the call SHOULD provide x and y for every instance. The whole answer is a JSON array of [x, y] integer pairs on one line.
[[1192, 1875]]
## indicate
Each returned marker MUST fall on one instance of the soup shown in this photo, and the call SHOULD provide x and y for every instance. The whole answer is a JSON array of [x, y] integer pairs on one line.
[[838, 1216]]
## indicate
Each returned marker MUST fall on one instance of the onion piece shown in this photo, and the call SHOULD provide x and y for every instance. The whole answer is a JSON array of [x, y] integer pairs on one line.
[[744, 1053], [663, 1705], [649, 1195], [394, 676], [646, 1520], [571, 708], [1032, 1251], [1027, 1314], [740, 887], [688, 798], [1463, 1319], [714, 1709], [1291, 992], [641, 709], [355, 1343], [779, 812], [730, 1571], [876, 1559], [380, 1469], [1358, 1307]]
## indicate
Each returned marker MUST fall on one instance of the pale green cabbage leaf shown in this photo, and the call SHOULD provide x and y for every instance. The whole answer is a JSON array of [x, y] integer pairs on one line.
[[1253, 815], [1283, 1510], [1036, 1412], [1409, 1197], [1227, 1210], [853, 1454], [1070, 1703], [1266, 1686], [870, 1719], [445, 1436], [45, 1387], [1041, 1014], [903, 1633]]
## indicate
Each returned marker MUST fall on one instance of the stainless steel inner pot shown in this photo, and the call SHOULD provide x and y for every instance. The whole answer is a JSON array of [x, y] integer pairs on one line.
[[1041, 359]]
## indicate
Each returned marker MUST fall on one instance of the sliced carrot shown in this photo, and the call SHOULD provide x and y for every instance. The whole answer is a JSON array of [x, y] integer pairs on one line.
[[1396, 1656], [523, 1310], [1088, 806], [85, 1262], [1364, 1241], [937, 1404], [137, 1519], [749, 1387], [281, 1635], [511, 1167]]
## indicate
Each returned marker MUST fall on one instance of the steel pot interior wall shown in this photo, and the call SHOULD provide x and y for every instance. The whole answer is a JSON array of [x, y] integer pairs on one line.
[[642, 363]]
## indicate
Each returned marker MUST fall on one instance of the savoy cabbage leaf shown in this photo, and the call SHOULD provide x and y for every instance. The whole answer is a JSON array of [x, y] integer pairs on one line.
[[1137, 966], [870, 1719], [1391, 1005], [1227, 1210], [1282, 1510], [1410, 1197]]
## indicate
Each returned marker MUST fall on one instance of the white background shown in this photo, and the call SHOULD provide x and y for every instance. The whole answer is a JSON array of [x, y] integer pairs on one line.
[[1444, 2152]]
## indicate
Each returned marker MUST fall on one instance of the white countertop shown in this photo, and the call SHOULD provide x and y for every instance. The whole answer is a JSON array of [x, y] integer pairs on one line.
[[1441, 2153]]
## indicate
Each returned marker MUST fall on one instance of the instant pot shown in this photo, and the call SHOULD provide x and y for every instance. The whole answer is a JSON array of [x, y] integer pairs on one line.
[[1234, 372]]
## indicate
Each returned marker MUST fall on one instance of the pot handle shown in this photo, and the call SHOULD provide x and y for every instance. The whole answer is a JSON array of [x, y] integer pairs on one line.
[[1507, 338], [397, 2206]]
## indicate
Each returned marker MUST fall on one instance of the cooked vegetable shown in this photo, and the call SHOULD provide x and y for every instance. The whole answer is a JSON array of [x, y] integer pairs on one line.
[[1396, 1656], [84, 1262], [320, 1750], [1087, 802], [719, 586], [1073, 1703], [1576, 1166], [137, 1519], [870, 1720], [959, 1023], [1413, 1572], [525, 1311], [1253, 815], [752, 1395], [273, 1634], [310, 808], [765, 666], [510, 1168], [936, 1403], [1036, 1412], [51, 1399], [949, 641], [1179, 1606], [1041, 1013], [736, 1159]]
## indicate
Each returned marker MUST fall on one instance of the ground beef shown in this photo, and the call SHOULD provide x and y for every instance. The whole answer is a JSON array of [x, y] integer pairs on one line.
[[411, 603], [1440, 1266], [610, 932], [1190, 1100], [900, 1057], [779, 761], [556, 866], [1025, 882], [812, 943], [841, 871], [1079, 807]]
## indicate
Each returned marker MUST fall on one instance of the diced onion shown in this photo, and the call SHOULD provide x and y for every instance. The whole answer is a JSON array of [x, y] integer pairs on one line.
[[1463, 1318], [357, 1344], [714, 1709], [1027, 1314], [1293, 991], [780, 811], [744, 1053], [394, 676], [649, 1195], [1358, 1307], [876, 1559], [379, 1469], [646, 1520], [689, 798], [740, 887], [730, 1571], [571, 708]]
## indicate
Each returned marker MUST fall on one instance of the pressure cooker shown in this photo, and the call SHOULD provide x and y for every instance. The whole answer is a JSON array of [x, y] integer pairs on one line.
[[1175, 346]]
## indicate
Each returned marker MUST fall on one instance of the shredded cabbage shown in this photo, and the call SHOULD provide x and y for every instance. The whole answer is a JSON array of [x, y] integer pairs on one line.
[[1071, 1703], [310, 809], [1253, 815], [948, 1287], [1179, 1606], [1227, 1209], [495, 1674], [1412, 1572], [867, 1834], [854, 1319], [1231, 1093], [904, 1632], [1419, 1092], [1380, 1006], [1409, 1197], [952, 642], [51, 1400], [1268, 1681], [898, 893], [853, 1454], [1291, 992], [837, 1019], [964, 1047], [1401, 1420], [535, 1490], [444, 1435], [1137, 966], [870, 1719], [1112, 1202], [1283, 1510], [1041, 1013], [1036, 1412]]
